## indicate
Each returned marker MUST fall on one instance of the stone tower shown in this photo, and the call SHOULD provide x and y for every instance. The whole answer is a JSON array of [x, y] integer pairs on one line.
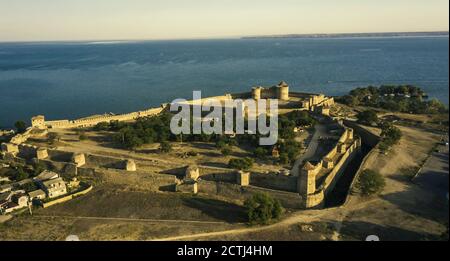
[[283, 91], [256, 93], [38, 122], [307, 180]]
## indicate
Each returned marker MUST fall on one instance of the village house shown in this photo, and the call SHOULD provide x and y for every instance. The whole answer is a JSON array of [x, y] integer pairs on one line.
[[37, 194], [11, 201], [46, 175], [54, 187]]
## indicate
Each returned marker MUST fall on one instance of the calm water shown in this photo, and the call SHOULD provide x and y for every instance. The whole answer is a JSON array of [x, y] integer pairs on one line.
[[70, 80]]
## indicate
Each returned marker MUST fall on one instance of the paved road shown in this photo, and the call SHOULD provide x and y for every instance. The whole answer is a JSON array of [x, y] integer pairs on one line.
[[320, 131], [434, 174]]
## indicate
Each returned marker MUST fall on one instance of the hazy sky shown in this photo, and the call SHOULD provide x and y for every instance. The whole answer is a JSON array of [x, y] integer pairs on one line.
[[23, 20]]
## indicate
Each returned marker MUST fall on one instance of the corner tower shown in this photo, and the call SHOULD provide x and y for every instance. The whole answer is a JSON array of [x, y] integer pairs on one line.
[[283, 91]]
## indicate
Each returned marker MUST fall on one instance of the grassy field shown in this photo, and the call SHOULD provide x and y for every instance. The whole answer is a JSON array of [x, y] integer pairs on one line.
[[111, 213]]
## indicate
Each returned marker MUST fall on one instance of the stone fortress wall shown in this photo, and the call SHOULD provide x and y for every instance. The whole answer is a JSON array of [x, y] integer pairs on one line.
[[312, 185], [316, 181], [39, 121], [312, 102]]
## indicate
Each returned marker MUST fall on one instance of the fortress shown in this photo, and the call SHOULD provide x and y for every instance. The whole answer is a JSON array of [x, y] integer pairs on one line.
[[309, 189], [303, 101]]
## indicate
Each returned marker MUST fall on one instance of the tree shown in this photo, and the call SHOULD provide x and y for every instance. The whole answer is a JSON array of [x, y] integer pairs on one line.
[[38, 167], [102, 126], [30, 186], [165, 147], [83, 136], [371, 182], [52, 137], [260, 153], [367, 117], [241, 164], [226, 150], [21, 174], [390, 135], [21, 126], [263, 209]]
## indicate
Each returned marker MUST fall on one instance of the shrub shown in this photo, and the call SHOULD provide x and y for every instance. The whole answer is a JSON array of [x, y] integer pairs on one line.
[[165, 147], [20, 126], [30, 186], [83, 136], [21, 174], [102, 126], [226, 150], [367, 117], [371, 182], [260, 153], [52, 137], [241, 164], [38, 167], [262, 209]]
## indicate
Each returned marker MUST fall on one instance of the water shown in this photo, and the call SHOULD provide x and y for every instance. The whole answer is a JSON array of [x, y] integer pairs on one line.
[[71, 80]]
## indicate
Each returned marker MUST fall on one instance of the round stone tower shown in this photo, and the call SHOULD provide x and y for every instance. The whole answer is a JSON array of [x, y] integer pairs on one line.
[[256, 93], [283, 91]]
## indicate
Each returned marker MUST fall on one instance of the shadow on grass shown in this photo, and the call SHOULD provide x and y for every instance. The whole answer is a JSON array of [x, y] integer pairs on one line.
[[360, 230], [217, 209]]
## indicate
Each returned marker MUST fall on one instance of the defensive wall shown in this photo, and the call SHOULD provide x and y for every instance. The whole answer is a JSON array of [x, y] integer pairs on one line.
[[312, 102], [94, 120], [316, 181]]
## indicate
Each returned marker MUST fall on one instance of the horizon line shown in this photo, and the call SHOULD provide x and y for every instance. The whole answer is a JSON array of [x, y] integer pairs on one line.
[[118, 40]]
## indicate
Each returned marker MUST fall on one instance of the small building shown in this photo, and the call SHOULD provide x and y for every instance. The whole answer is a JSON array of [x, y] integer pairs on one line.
[[13, 201], [38, 122], [10, 148], [54, 187], [37, 194], [46, 175], [79, 159]]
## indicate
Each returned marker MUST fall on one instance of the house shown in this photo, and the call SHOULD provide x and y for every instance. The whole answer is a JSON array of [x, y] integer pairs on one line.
[[13, 201], [46, 175], [37, 194], [54, 187]]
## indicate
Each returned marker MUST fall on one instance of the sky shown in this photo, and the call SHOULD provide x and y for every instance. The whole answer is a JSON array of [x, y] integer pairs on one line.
[[51, 20]]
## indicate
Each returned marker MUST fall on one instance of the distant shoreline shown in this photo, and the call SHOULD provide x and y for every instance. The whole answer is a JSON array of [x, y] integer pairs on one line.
[[351, 35], [281, 36]]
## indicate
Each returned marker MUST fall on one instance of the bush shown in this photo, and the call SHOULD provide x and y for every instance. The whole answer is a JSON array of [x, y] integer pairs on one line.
[[371, 183], [165, 147], [226, 150], [38, 167], [83, 136], [102, 126], [21, 174], [390, 135], [263, 209], [30, 186], [367, 117], [20, 126], [241, 164], [53, 137], [260, 153]]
